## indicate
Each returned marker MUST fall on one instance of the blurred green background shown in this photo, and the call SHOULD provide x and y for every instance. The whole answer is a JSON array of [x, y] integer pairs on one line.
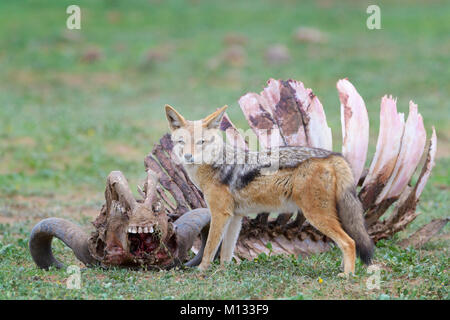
[[76, 104]]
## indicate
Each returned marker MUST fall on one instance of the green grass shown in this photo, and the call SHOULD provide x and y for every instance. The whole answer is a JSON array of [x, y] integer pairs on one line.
[[66, 123], [404, 274]]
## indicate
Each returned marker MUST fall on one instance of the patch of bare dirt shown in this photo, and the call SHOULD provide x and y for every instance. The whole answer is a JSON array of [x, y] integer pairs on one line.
[[443, 236], [88, 211], [91, 55], [9, 220], [22, 141], [277, 54], [159, 54], [74, 206], [23, 77], [81, 81], [123, 151], [308, 34]]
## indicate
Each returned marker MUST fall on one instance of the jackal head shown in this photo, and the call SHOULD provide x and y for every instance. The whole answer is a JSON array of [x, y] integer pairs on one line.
[[196, 142]]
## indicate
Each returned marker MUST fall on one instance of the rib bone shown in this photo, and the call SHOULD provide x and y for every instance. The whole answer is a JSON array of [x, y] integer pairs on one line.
[[412, 147], [318, 134], [355, 127], [388, 147], [425, 174], [287, 113], [233, 136], [261, 120]]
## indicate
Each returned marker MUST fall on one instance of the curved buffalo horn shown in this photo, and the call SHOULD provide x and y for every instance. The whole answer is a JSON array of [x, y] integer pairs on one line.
[[72, 235], [187, 228], [195, 261]]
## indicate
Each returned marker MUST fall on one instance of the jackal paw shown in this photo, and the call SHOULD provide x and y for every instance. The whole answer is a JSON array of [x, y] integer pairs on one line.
[[203, 267]]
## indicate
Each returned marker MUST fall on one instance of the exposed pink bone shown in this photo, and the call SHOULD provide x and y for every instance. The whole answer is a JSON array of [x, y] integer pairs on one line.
[[416, 137], [232, 134], [272, 92], [388, 147], [411, 150], [295, 110], [317, 132], [428, 165], [303, 98], [261, 120], [355, 126], [302, 94], [405, 209], [151, 197], [282, 104], [297, 135], [410, 196]]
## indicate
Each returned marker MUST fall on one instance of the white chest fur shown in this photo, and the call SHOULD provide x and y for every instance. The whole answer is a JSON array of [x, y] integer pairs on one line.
[[192, 173], [245, 207]]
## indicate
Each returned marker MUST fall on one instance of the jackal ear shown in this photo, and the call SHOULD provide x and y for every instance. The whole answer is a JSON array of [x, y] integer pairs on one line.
[[176, 120], [213, 120]]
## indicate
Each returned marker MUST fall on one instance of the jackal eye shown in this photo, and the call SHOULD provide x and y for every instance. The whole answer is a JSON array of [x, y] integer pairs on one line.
[[180, 141], [200, 142]]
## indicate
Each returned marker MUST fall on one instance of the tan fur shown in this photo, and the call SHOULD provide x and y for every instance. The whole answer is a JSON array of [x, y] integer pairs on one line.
[[220, 203], [314, 186]]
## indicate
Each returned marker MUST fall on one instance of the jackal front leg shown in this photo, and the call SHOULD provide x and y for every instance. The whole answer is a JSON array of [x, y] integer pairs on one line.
[[219, 224], [230, 238]]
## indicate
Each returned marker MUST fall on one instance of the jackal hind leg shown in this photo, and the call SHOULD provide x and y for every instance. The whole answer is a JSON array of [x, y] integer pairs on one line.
[[314, 192], [326, 221], [331, 227]]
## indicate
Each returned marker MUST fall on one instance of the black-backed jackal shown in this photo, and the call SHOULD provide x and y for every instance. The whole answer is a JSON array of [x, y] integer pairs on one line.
[[318, 182]]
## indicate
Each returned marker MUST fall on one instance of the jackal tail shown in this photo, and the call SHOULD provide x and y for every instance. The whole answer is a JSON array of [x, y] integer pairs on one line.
[[351, 213]]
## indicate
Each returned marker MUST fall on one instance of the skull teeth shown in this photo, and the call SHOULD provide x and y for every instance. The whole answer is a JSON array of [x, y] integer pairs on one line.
[[140, 229], [131, 230]]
